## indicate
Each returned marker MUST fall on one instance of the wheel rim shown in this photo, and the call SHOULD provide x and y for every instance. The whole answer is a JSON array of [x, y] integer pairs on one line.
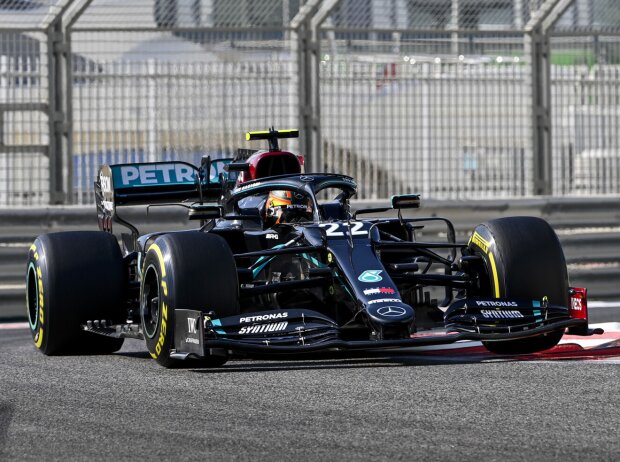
[[150, 302], [32, 296]]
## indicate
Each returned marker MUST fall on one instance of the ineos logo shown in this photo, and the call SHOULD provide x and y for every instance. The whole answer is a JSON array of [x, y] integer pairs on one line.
[[106, 183], [391, 311], [191, 326]]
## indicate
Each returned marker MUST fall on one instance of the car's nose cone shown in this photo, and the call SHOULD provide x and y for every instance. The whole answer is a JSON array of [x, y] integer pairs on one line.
[[391, 313]]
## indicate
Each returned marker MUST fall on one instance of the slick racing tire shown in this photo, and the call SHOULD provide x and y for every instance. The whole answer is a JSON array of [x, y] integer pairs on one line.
[[523, 259], [73, 277], [185, 270]]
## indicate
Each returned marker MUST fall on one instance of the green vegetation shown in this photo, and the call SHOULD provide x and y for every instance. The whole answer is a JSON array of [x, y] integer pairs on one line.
[[567, 57]]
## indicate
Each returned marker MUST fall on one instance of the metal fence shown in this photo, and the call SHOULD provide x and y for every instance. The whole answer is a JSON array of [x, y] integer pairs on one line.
[[446, 130], [450, 98]]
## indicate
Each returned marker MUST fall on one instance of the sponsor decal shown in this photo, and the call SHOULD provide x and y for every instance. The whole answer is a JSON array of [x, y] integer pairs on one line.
[[272, 236], [306, 179], [391, 311], [108, 205], [264, 328], [480, 242], [192, 340], [511, 314], [379, 290], [249, 186], [191, 326], [41, 294], [264, 317], [495, 303], [370, 276], [164, 307], [385, 300], [153, 174], [106, 183], [163, 329], [578, 303]]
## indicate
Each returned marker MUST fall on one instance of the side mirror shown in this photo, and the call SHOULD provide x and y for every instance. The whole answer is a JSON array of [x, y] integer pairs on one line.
[[204, 212], [406, 201]]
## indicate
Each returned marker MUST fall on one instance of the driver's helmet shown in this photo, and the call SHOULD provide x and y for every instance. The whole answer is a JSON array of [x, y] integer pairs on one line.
[[287, 207]]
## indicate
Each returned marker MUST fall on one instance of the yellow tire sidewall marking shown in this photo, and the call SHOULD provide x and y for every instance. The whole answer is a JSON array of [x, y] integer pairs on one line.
[[40, 298], [163, 328], [39, 341], [495, 276], [485, 246], [160, 257]]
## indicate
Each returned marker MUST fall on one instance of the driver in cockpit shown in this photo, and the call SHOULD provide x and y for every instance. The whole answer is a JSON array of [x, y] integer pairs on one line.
[[284, 206]]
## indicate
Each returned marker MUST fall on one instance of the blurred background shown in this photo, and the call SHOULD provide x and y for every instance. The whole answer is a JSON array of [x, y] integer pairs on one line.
[[448, 98], [485, 107]]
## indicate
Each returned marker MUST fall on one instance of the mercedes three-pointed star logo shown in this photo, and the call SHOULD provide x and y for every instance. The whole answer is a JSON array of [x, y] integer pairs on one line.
[[391, 311]]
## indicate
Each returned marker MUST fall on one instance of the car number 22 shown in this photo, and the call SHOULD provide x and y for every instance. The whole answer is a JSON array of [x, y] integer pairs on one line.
[[342, 229]]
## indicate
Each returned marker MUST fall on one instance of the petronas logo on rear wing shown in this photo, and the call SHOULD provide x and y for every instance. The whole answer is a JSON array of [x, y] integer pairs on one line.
[[160, 173]]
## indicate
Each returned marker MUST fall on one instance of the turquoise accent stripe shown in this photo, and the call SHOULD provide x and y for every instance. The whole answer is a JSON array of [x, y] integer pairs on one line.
[[268, 260], [313, 260], [535, 303], [218, 323], [259, 268]]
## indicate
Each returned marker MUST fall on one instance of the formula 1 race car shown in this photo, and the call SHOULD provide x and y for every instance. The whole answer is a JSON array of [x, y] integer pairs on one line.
[[280, 264]]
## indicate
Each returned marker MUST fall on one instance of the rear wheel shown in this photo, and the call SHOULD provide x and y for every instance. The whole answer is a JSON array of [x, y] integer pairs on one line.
[[523, 259], [187, 270], [73, 277]]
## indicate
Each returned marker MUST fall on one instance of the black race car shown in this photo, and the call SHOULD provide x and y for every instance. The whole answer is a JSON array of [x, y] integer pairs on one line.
[[280, 264]]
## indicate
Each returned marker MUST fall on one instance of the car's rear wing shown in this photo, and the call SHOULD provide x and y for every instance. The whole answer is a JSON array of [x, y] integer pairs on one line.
[[156, 183], [272, 135]]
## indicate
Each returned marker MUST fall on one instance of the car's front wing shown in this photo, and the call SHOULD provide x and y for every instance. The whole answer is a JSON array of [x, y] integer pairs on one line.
[[300, 331]]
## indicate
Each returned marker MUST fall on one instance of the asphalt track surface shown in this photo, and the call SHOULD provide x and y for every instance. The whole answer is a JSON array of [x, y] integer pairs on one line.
[[392, 407]]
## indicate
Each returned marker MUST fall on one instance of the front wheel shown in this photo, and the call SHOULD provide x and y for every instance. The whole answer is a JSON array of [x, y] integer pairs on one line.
[[523, 259], [185, 270]]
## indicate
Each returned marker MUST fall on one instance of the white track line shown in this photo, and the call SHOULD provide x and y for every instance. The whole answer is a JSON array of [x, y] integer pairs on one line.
[[14, 325], [12, 286]]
